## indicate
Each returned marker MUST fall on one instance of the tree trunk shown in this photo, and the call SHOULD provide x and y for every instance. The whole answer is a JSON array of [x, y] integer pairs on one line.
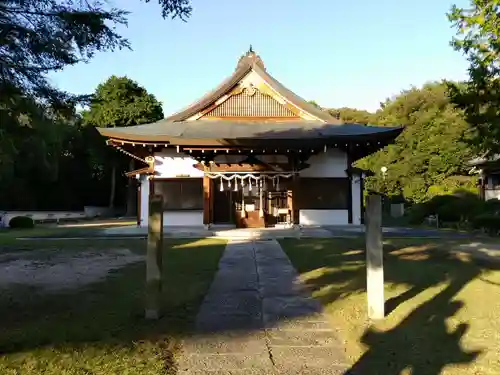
[[131, 191], [113, 187]]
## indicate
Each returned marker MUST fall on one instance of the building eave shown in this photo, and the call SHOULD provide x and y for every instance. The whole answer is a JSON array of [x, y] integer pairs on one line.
[[215, 132], [358, 140], [479, 161]]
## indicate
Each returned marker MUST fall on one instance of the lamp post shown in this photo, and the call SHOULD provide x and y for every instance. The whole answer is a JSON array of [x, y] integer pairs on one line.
[[384, 174], [384, 171]]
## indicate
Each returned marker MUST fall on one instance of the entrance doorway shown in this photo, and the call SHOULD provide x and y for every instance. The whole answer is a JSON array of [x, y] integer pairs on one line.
[[223, 207], [279, 212], [250, 208], [256, 203]]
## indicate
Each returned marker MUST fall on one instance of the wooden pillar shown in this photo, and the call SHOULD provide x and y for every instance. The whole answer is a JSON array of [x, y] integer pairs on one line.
[[482, 186], [374, 258], [349, 191], [261, 198], [139, 201], [154, 257], [212, 199], [207, 200], [294, 199]]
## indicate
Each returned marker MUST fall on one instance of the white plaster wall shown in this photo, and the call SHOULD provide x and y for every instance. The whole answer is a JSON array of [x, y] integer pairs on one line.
[[323, 217], [170, 218], [356, 200], [332, 163], [169, 163], [6, 216], [183, 218], [492, 194], [144, 201]]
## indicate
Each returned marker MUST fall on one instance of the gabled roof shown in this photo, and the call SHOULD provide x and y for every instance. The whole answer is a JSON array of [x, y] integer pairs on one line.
[[304, 125], [248, 63]]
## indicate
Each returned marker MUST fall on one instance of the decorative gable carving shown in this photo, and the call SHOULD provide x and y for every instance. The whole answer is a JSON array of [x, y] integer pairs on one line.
[[249, 101]]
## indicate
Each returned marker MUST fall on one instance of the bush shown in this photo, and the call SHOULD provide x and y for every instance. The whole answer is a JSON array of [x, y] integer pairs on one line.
[[460, 207], [492, 206], [21, 222], [464, 208], [487, 222]]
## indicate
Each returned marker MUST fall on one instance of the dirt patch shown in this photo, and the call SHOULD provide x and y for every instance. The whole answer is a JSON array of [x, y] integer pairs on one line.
[[58, 271]]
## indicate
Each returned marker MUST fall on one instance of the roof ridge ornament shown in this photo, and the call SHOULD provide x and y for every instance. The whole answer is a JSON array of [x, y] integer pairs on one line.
[[250, 58]]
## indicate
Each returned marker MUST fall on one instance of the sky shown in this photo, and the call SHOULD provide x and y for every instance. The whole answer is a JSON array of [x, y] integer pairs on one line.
[[337, 53]]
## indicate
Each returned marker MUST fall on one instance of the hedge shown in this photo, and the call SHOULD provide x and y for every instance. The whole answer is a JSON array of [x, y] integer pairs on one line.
[[21, 222]]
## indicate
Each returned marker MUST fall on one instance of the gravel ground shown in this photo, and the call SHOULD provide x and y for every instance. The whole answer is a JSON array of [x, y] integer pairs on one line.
[[56, 270]]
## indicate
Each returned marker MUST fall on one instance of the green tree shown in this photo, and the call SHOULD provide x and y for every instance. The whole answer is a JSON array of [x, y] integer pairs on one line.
[[353, 115], [121, 101], [431, 150], [478, 33], [314, 103], [40, 36]]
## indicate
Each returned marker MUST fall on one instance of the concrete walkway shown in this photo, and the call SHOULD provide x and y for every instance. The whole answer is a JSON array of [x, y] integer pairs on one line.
[[339, 231], [257, 319], [225, 232]]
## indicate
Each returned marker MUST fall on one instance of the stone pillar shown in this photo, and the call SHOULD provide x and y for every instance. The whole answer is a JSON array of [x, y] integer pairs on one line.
[[154, 257], [374, 258], [356, 199]]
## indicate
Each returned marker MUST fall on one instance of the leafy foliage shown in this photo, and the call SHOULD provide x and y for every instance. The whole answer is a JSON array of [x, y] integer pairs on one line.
[[120, 101], [427, 159], [356, 116], [478, 32], [457, 207], [21, 222], [48, 160], [40, 36], [489, 223]]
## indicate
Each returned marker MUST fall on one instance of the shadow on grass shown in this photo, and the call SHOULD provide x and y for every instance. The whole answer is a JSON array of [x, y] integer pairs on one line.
[[420, 343], [102, 326]]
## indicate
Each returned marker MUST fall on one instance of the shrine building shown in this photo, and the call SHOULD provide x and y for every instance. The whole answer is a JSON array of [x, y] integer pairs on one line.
[[251, 153]]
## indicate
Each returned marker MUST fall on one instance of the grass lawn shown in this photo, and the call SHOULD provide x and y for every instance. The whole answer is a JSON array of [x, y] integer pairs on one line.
[[83, 228], [9, 236], [443, 309], [99, 329]]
